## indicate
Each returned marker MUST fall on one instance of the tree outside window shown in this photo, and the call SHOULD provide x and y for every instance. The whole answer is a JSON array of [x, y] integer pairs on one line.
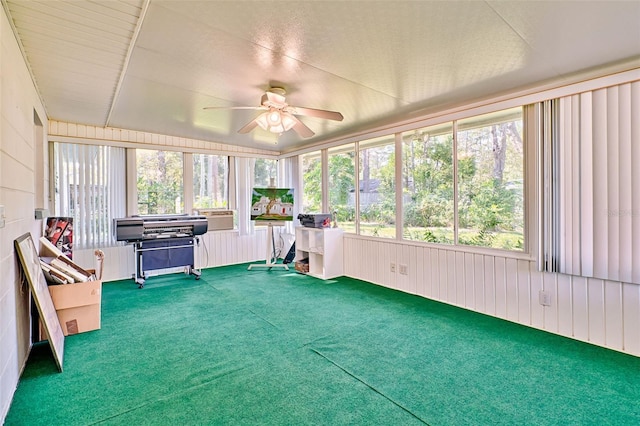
[[377, 187], [210, 181], [312, 183], [342, 184], [159, 182], [490, 159], [427, 184], [265, 172]]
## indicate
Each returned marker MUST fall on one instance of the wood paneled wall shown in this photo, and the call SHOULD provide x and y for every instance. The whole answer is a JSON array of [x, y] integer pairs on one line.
[[601, 312], [216, 248]]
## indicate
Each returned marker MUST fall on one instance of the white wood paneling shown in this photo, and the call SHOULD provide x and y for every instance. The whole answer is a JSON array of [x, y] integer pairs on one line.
[[478, 288], [580, 301], [565, 305], [550, 313], [536, 284], [80, 133], [525, 297], [631, 318], [613, 315], [216, 248], [604, 313], [500, 276], [511, 284], [489, 285], [595, 311]]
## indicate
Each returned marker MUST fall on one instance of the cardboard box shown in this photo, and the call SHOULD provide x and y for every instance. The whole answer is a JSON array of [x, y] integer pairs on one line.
[[78, 306]]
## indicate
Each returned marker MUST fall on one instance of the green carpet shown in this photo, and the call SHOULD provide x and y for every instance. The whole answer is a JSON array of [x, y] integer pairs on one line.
[[263, 347]]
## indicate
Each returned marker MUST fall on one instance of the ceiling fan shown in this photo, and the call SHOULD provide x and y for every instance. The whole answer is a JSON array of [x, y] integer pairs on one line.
[[279, 116]]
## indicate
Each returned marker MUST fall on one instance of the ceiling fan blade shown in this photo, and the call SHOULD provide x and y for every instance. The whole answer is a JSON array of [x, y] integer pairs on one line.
[[249, 126], [239, 107], [301, 129], [319, 113]]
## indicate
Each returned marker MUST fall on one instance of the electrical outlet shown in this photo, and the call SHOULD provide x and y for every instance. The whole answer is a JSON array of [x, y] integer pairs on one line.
[[1, 216], [544, 298], [393, 267], [403, 269]]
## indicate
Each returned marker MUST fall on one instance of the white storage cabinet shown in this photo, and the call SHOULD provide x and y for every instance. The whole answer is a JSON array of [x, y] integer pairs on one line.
[[323, 247]]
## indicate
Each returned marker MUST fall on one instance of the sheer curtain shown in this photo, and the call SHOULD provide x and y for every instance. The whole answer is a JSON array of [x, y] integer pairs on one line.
[[89, 185], [599, 183], [240, 191], [288, 178]]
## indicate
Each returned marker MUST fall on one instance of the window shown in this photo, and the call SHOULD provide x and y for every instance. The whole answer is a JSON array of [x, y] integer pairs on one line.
[[490, 180], [377, 187], [312, 183], [89, 185], [265, 172], [159, 182], [462, 183], [342, 184], [427, 184], [210, 181]]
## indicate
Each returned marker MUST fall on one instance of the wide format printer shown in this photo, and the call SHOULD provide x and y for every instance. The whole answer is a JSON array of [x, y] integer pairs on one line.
[[161, 241]]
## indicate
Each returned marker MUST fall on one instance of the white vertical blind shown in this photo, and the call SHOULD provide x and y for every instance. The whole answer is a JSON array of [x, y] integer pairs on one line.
[[90, 187], [244, 171], [599, 183], [288, 178]]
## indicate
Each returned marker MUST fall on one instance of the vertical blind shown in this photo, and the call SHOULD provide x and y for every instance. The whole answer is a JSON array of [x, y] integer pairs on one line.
[[598, 170], [90, 186]]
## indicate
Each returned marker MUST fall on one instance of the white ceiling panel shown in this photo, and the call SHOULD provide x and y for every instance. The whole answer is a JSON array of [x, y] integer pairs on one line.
[[152, 65]]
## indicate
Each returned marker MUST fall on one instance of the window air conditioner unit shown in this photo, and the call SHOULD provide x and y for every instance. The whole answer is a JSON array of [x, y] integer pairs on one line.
[[217, 219]]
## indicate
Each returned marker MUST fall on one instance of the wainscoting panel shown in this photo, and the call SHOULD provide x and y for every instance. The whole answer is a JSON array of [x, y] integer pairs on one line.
[[601, 312], [216, 248], [631, 318]]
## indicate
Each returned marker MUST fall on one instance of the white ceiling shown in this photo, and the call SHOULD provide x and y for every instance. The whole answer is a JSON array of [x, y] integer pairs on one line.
[[152, 65]]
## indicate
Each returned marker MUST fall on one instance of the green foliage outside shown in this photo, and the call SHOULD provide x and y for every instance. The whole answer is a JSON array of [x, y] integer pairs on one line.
[[490, 194], [210, 181], [264, 171], [312, 190], [159, 182]]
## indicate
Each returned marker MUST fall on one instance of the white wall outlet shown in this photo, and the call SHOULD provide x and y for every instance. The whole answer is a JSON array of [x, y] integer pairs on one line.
[[404, 270], [1, 216], [393, 267], [544, 298]]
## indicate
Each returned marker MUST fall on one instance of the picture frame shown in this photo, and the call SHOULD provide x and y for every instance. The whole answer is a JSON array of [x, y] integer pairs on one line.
[[30, 263]]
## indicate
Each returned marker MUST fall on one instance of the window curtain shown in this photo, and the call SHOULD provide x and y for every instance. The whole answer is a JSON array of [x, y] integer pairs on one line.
[[288, 178], [244, 174], [598, 183], [90, 187]]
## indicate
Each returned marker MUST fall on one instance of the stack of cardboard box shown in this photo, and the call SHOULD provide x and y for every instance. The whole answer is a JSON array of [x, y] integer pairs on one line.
[[76, 292]]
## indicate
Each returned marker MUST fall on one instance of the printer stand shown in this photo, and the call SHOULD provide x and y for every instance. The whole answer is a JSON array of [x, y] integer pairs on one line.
[[162, 254]]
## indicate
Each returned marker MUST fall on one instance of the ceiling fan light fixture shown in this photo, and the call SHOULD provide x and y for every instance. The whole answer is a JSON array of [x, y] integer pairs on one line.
[[274, 118], [278, 116], [263, 121], [287, 121], [276, 121]]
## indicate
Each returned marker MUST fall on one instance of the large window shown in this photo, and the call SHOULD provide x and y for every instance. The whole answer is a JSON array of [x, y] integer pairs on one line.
[[312, 183], [159, 182], [89, 185], [490, 180], [210, 181], [265, 172], [427, 184], [377, 192], [342, 184], [461, 182]]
